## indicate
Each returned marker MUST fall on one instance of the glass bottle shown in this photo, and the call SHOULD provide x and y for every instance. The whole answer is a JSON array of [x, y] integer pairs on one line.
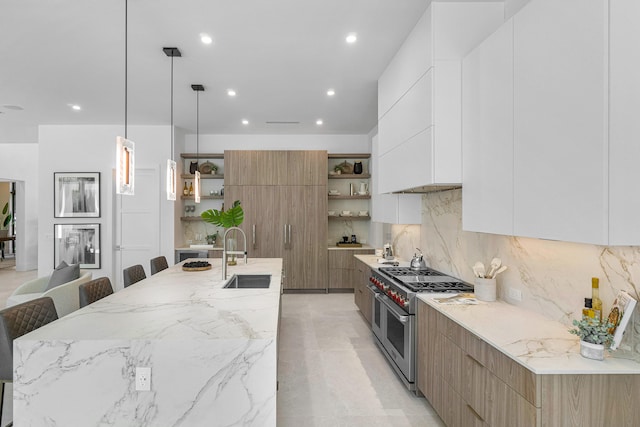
[[588, 308], [191, 189], [185, 190], [596, 302]]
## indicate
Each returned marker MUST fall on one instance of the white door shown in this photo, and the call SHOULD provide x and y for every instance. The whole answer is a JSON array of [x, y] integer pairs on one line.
[[137, 230]]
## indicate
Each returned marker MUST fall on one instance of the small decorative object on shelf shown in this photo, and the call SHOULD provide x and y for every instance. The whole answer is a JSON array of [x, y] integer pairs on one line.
[[185, 190], [595, 336], [193, 167], [191, 189], [357, 168], [208, 168]]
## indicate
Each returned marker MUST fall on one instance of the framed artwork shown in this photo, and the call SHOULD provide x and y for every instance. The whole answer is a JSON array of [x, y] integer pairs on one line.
[[77, 244], [76, 194]]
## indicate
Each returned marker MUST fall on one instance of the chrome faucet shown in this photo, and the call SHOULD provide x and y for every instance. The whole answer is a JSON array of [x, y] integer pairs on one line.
[[232, 252]]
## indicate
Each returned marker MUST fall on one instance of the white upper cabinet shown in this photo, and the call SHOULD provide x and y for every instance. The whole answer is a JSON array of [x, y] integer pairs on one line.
[[576, 103], [487, 135], [419, 96]]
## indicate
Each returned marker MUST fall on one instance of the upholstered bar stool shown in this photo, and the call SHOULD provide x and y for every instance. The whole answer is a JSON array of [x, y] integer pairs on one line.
[[94, 290], [133, 274], [15, 321], [158, 264]]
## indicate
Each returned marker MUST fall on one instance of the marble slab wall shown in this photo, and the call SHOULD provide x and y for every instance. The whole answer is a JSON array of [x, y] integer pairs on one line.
[[554, 277]]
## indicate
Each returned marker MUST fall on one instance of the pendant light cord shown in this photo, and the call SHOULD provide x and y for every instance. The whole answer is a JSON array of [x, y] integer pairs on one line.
[[125, 64], [171, 157], [197, 125]]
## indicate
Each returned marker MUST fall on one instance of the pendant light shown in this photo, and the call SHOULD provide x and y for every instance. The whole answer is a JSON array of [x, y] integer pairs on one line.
[[196, 185], [172, 178], [125, 149]]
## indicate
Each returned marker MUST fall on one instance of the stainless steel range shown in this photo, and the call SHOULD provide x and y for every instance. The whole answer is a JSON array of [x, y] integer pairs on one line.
[[394, 307]]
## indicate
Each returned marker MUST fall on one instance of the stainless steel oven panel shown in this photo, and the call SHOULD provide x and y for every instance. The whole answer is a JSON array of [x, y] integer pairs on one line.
[[376, 312], [398, 337]]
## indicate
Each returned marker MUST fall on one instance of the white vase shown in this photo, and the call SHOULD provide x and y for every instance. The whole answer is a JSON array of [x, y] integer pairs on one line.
[[592, 351], [485, 289]]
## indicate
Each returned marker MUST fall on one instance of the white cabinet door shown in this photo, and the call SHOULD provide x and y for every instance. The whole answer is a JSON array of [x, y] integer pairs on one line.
[[560, 132], [487, 135], [407, 164], [624, 123]]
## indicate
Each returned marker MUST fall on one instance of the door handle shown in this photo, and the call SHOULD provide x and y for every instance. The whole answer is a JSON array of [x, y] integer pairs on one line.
[[289, 236], [253, 227], [285, 236]]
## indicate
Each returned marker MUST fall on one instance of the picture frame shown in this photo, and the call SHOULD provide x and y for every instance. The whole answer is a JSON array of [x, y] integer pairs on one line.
[[77, 244], [76, 194]]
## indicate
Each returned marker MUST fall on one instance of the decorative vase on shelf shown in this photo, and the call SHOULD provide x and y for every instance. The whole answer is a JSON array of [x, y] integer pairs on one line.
[[193, 167], [357, 168], [592, 351]]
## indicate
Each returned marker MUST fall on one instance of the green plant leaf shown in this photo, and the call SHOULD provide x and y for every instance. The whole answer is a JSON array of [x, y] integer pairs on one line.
[[5, 209], [230, 218]]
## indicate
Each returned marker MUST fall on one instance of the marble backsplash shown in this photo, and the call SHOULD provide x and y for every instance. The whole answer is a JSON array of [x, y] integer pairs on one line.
[[554, 277]]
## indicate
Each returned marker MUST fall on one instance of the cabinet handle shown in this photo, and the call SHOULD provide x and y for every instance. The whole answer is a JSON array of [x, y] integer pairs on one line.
[[289, 235], [285, 236], [475, 360], [254, 235], [475, 413]]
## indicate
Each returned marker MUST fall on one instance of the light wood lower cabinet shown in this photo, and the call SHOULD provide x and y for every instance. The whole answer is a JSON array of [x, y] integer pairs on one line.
[[361, 294], [471, 383], [343, 273]]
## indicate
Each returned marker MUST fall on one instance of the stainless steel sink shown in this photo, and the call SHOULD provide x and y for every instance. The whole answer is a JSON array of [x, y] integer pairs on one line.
[[248, 281]]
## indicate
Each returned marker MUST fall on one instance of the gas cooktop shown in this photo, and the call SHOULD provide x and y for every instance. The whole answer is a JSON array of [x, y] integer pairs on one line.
[[426, 280]]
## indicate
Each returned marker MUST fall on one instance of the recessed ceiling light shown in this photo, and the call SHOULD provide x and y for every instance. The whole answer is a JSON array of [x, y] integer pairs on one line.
[[351, 38], [319, 122], [245, 121], [331, 92], [206, 38], [13, 107], [231, 92], [76, 107]]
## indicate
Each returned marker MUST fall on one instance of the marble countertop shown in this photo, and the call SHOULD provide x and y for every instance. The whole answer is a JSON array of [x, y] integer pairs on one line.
[[372, 261], [542, 345], [175, 304], [200, 247]]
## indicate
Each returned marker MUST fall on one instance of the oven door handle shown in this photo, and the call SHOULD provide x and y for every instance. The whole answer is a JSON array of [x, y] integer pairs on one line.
[[373, 290], [394, 311]]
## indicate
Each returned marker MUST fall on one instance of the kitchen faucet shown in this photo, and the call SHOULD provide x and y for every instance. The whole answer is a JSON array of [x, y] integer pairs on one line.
[[225, 252]]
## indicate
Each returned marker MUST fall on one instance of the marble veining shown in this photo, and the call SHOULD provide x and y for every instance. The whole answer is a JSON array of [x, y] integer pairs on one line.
[[212, 352]]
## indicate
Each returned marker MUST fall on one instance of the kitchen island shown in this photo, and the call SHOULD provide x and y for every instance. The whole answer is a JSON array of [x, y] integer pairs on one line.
[[212, 354]]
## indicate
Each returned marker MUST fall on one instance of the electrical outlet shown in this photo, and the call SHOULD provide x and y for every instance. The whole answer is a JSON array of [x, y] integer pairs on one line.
[[143, 379], [514, 294]]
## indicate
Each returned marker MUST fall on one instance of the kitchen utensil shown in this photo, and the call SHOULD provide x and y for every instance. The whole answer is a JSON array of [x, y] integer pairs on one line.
[[417, 262], [363, 188], [479, 270], [500, 270], [495, 264], [388, 253], [485, 289]]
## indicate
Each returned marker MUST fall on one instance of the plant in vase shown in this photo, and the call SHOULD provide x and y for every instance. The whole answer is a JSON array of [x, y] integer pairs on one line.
[[595, 336], [232, 217], [6, 220], [213, 238]]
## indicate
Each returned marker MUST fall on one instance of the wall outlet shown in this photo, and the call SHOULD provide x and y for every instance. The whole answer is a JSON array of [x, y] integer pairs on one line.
[[514, 294], [143, 378]]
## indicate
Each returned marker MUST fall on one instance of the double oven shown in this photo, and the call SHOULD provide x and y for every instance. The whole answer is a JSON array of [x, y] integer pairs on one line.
[[394, 305]]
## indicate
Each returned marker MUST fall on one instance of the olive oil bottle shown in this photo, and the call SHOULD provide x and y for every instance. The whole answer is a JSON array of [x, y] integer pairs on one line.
[[596, 302], [588, 308]]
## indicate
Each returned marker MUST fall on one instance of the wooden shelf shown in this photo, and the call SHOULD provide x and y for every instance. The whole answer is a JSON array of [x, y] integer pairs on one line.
[[202, 156], [349, 156], [202, 176], [351, 218], [191, 218], [183, 197], [350, 176], [346, 197]]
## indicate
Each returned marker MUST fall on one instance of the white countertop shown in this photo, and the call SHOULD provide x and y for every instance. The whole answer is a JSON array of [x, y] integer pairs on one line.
[[542, 345], [373, 261]]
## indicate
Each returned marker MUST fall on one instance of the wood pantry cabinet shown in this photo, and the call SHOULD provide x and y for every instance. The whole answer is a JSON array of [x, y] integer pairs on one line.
[[285, 210], [343, 267], [471, 383]]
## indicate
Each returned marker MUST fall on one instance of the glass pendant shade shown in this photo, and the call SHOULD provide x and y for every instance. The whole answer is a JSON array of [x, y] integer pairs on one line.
[[196, 187], [125, 166], [171, 180]]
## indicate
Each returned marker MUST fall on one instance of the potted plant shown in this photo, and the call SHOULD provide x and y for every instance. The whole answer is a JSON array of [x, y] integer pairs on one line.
[[212, 238], [232, 217], [6, 221], [595, 336]]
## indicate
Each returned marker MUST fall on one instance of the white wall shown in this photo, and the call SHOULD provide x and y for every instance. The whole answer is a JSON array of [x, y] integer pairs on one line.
[[92, 149], [331, 143], [19, 163]]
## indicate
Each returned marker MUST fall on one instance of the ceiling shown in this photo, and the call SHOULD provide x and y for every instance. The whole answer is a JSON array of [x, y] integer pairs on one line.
[[281, 57]]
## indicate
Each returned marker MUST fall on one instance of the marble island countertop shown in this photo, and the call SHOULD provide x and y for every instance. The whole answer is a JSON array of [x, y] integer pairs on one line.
[[542, 345], [212, 353]]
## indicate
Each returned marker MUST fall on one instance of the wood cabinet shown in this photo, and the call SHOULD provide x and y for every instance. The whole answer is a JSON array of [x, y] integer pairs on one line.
[[469, 382], [361, 294], [344, 268], [285, 212], [419, 102], [574, 100]]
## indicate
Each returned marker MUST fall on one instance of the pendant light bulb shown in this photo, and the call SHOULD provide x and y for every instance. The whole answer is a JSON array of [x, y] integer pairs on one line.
[[125, 149], [196, 186]]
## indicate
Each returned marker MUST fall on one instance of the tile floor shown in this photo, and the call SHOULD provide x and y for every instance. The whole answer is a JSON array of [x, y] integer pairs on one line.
[[332, 374]]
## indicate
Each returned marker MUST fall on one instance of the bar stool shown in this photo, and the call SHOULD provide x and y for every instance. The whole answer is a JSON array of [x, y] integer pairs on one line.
[[158, 264], [94, 290], [133, 274], [16, 321]]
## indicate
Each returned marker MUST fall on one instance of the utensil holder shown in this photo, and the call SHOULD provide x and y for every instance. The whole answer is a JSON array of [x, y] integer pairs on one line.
[[485, 289]]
